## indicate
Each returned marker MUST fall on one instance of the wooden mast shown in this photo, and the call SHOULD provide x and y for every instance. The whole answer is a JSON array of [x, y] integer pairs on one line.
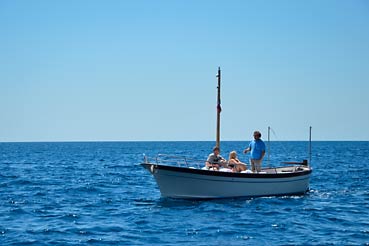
[[219, 109]]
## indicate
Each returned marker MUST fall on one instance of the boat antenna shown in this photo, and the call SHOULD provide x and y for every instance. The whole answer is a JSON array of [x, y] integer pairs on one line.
[[269, 146], [219, 109], [310, 145]]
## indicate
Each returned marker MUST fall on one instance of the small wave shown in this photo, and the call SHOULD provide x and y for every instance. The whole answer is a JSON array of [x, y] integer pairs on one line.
[[17, 212], [144, 202], [10, 176], [69, 216], [20, 182], [176, 203]]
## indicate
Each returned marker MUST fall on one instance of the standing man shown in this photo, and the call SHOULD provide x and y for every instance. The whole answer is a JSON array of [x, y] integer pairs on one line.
[[257, 149]]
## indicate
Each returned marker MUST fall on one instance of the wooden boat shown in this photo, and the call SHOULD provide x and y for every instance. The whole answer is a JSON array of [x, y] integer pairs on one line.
[[177, 180]]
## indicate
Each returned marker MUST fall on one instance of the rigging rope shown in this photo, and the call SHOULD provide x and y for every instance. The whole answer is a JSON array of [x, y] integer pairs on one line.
[[278, 139]]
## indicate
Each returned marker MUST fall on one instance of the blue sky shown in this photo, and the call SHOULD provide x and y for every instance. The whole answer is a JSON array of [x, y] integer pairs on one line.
[[145, 70]]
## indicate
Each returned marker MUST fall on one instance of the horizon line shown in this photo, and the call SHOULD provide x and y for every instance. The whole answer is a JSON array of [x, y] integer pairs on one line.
[[132, 141]]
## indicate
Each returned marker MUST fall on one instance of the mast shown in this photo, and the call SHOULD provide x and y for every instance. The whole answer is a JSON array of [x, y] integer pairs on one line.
[[219, 109], [310, 145]]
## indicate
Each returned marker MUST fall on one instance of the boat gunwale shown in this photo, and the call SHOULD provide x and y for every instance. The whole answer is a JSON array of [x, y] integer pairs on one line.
[[226, 174]]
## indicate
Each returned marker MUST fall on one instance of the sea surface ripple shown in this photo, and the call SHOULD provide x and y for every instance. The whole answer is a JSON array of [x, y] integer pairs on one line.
[[96, 193]]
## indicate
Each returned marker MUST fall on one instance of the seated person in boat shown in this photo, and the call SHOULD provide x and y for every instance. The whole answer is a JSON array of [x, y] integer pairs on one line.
[[235, 164], [215, 160]]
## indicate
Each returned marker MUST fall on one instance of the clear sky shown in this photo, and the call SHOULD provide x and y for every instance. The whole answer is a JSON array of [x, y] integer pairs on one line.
[[145, 70]]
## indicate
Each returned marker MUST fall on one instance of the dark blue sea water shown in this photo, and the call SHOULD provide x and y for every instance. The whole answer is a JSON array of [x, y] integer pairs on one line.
[[95, 193]]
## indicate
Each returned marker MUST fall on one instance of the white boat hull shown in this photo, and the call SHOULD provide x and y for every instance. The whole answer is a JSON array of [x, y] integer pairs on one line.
[[180, 182]]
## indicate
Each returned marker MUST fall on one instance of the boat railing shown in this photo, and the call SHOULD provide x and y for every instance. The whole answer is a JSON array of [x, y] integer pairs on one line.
[[178, 160], [185, 161]]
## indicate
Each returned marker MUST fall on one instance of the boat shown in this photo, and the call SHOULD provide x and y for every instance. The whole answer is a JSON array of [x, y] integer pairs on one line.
[[178, 177]]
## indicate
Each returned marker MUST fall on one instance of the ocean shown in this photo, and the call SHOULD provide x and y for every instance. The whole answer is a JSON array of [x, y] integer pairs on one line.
[[96, 193]]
